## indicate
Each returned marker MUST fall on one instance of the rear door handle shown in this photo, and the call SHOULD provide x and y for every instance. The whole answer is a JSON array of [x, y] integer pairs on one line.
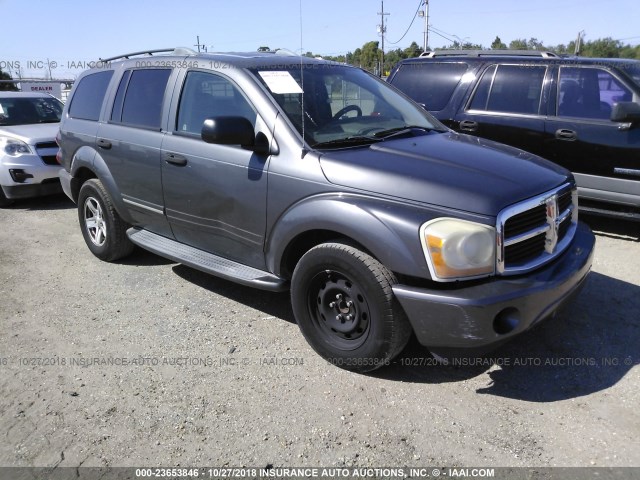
[[565, 134], [104, 143], [175, 159], [468, 126]]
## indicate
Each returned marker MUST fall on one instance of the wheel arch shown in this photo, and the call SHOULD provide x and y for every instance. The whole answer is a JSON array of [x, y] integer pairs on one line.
[[387, 231], [88, 163]]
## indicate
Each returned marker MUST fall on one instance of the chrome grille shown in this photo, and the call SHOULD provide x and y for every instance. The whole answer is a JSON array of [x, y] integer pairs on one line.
[[534, 232]]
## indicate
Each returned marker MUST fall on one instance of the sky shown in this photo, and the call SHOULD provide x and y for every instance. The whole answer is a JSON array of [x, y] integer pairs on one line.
[[68, 34]]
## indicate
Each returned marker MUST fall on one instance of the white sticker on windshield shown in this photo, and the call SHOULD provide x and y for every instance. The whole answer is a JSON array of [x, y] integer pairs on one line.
[[1, 110], [280, 82]]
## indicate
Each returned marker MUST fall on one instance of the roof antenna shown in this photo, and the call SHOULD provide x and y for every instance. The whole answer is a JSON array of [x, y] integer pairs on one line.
[[304, 150]]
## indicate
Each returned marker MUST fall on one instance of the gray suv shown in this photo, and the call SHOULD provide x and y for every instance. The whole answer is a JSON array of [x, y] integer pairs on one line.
[[283, 172]]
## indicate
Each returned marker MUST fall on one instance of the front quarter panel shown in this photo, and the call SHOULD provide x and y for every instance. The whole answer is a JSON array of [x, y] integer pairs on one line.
[[388, 229]]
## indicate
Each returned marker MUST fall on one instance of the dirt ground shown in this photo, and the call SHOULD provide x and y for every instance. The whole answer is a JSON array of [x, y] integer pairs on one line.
[[149, 363]]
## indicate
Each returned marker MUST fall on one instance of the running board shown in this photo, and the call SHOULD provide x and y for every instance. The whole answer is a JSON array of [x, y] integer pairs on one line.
[[601, 212], [206, 262]]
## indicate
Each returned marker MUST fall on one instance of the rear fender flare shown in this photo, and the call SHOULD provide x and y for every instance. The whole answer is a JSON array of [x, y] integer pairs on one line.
[[86, 157]]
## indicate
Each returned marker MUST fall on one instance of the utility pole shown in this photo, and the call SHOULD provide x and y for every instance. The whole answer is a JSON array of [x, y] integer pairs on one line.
[[425, 13], [382, 30]]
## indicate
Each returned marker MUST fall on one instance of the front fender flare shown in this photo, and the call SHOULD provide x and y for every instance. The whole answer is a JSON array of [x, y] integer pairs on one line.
[[388, 229]]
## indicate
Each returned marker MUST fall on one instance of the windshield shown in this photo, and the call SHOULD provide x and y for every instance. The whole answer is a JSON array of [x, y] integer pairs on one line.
[[343, 106], [633, 70], [25, 110]]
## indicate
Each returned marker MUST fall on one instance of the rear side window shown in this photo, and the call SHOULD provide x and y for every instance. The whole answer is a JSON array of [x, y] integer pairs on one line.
[[139, 98], [510, 89], [430, 84], [589, 92], [89, 94]]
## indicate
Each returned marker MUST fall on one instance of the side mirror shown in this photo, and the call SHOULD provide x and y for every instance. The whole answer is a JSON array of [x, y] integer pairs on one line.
[[234, 131], [628, 112]]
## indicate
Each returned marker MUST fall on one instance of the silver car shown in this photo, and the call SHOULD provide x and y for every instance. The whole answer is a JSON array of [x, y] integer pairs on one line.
[[28, 128]]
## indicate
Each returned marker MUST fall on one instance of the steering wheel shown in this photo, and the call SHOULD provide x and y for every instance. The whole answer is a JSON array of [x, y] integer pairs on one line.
[[347, 109]]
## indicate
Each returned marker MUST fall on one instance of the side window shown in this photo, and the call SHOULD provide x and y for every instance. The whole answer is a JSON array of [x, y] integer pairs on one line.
[[89, 94], [206, 95], [589, 93], [141, 94], [510, 89], [430, 84]]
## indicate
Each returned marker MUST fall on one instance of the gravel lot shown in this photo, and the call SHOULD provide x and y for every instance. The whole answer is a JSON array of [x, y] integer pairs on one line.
[[149, 363]]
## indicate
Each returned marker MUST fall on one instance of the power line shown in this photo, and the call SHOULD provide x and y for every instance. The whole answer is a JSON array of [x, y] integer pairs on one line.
[[438, 32], [410, 25]]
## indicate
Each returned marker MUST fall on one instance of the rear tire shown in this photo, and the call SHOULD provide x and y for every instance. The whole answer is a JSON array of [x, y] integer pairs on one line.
[[345, 307], [104, 232]]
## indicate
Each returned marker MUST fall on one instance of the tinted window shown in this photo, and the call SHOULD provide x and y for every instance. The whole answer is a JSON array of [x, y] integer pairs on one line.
[[589, 93], [116, 114], [89, 94], [142, 105], [28, 110], [206, 95], [481, 95], [510, 89], [431, 84]]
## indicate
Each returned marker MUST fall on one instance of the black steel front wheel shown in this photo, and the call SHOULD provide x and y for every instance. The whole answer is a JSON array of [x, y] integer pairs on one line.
[[345, 307]]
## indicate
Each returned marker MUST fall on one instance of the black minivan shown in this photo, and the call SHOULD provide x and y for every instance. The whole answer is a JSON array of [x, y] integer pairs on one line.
[[582, 113]]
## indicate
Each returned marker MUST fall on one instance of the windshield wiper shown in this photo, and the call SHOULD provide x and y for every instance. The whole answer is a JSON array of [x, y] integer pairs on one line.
[[392, 132], [347, 142]]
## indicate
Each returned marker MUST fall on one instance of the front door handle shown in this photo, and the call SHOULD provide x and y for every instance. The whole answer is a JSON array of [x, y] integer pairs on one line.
[[468, 126], [104, 143], [567, 135], [175, 159]]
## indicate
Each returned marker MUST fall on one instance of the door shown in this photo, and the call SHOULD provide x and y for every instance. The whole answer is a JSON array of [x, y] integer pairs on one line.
[[507, 107], [130, 145], [215, 195], [583, 138]]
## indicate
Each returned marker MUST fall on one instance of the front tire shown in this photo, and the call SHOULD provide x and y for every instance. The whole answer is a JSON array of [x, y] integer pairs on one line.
[[103, 230], [345, 307]]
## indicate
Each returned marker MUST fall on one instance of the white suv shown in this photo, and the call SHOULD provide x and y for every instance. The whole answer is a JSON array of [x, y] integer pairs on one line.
[[28, 127]]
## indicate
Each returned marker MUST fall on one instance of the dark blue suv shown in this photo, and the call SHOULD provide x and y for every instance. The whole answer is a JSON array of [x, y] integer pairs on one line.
[[581, 113]]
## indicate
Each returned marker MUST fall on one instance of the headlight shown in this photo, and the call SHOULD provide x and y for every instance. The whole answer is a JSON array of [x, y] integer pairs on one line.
[[14, 147], [458, 249]]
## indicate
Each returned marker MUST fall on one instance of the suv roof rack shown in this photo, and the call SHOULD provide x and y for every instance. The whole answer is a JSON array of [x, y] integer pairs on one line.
[[175, 51], [482, 53]]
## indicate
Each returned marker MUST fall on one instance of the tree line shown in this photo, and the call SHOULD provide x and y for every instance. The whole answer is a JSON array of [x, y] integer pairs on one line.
[[369, 56]]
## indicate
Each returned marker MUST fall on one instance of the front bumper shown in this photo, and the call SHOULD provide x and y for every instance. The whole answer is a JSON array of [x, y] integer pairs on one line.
[[480, 317], [41, 179], [30, 190]]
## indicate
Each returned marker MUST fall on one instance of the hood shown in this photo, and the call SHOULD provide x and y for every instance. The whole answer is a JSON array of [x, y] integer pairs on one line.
[[446, 169], [32, 133]]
